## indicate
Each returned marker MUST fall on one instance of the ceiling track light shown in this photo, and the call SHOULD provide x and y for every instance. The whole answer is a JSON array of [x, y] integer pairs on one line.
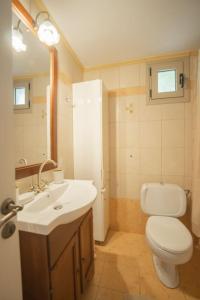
[[46, 31], [17, 39]]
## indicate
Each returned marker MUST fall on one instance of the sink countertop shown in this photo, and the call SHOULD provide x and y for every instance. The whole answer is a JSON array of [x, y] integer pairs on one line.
[[58, 204]]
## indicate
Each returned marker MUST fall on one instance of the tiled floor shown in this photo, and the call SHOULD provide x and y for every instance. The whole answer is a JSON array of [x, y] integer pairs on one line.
[[124, 271]]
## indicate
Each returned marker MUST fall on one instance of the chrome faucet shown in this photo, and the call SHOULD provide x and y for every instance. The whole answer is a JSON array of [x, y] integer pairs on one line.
[[40, 185]]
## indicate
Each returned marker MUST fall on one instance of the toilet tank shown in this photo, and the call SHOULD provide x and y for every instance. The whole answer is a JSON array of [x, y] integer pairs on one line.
[[163, 199]]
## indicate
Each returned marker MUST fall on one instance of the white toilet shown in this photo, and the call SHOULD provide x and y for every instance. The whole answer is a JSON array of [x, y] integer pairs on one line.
[[170, 241]]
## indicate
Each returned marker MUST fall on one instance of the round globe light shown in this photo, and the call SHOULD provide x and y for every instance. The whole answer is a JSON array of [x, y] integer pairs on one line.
[[17, 40], [48, 33]]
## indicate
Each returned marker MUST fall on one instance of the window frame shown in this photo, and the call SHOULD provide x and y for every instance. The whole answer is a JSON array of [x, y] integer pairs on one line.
[[181, 65], [26, 83]]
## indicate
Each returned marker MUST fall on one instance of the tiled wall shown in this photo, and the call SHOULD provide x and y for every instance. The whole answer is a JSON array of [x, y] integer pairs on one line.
[[148, 143]]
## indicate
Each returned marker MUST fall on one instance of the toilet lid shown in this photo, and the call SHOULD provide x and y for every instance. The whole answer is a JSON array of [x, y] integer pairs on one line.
[[169, 234]]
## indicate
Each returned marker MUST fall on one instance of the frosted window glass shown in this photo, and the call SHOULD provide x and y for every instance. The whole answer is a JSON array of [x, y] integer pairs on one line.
[[166, 81], [20, 96]]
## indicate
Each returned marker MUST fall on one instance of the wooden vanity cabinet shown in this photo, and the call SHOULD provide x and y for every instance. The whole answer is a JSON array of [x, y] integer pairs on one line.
[[58, 266], [86, 250], [65, 279]]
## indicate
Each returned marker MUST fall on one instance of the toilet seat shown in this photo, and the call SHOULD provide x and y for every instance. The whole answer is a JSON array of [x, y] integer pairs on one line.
[[168, 234]]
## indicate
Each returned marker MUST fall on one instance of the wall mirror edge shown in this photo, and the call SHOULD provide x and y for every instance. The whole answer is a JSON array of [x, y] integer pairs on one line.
[[29, 170]]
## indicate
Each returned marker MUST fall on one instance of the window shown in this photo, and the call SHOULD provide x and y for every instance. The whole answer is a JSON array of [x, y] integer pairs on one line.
[[22, 94], [168, 81]]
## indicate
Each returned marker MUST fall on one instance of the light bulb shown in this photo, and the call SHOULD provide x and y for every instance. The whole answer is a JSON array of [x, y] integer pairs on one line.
[[17, 41], [48, 33]]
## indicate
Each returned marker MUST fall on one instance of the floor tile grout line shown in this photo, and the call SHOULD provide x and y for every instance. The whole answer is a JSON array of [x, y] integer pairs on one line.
[[105, 259]]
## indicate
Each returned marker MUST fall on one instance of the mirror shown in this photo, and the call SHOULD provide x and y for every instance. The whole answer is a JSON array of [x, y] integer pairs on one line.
[[31, 80], [34, 99]]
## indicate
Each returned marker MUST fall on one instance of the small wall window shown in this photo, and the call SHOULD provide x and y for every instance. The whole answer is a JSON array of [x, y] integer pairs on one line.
[[168, 81], [22, 94]]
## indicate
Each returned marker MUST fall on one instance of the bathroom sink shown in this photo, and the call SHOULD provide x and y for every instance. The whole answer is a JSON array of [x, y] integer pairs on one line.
[[48, 198], [58, 204]]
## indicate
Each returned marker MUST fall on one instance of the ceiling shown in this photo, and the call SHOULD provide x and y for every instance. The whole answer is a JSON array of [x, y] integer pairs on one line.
[[109, 31]]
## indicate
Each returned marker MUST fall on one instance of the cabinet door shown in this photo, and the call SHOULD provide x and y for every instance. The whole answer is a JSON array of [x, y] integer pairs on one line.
[[65, 274], [86, 250]]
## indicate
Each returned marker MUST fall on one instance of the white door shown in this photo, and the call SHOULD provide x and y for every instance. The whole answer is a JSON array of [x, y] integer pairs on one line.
[[10, 274]]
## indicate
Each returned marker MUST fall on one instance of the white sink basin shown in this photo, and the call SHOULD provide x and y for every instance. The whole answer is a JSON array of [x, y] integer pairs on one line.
[[59, 204]]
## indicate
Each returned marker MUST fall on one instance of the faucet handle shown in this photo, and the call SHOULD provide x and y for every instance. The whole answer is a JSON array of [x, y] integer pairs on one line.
[[33, 188], [45, 182], [43, 186]]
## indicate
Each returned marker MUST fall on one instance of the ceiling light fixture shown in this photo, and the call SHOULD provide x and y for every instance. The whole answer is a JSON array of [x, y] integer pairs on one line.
[[17, 39], [47, 32]]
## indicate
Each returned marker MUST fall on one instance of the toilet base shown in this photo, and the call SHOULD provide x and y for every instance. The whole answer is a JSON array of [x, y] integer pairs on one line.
[[166, 272]]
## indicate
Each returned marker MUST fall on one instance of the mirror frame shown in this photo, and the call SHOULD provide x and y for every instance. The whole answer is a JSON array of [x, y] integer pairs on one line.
[[30, 170]]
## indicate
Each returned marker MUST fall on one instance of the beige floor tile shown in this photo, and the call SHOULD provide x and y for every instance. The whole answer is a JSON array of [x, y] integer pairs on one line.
[[98, 271], [190, 277], [107, 294], [151, 286], [146, 266], [190, 297], [175, 294], [137, 297], [124, 266], [125, 261], [129, 244], [90, 293], [191, 291], [121, 275], [99, 253]]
